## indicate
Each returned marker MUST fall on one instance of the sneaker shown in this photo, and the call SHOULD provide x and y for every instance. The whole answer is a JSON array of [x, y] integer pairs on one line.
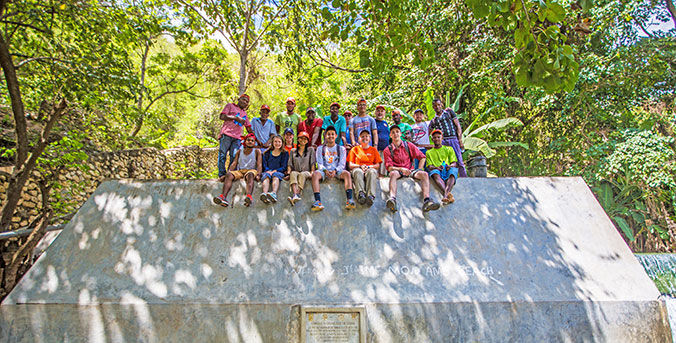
[[264, 198], [369, 200], [317, 206], [430, 205], [221, 200], [272, 197], [361, 198], [349, 204], [391, 204], [291, 200], [248, 200], [295, 199]]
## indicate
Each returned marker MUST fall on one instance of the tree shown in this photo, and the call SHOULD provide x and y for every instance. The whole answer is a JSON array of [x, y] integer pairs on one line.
[[256, 18]]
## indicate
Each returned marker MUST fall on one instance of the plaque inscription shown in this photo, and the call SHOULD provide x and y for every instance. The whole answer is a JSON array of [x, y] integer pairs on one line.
[[332, 325]]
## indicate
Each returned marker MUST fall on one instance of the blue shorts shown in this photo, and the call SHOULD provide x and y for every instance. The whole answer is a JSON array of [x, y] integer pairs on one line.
[[323, 174], [276, 174], [445, 174]]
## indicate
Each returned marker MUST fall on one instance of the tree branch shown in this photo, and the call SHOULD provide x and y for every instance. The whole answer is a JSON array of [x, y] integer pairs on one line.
[[24, 25], [643, 28], [41, 58], [672, 11], [17, 103], [265, 29]]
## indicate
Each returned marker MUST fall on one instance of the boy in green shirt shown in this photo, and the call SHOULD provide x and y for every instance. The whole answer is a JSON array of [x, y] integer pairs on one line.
[[442, 166], [288, 119]]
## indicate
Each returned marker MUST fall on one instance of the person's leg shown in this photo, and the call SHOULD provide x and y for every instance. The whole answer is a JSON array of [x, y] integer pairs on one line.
[[394, 176], [371, 180], [449, 184], [275, 184], [453, 142], [439, 182], [358, 181], [293, 181], [347, 179], [302, 176], [266, 184], [227, 184], [233, 149], [424, 183], [223, 148], [249, 178], [316, 177]]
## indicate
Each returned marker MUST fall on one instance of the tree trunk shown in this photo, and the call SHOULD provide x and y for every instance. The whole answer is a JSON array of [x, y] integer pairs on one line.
[[139, 102], [19, 256], [672, 11], [243, 56], [17, 104]]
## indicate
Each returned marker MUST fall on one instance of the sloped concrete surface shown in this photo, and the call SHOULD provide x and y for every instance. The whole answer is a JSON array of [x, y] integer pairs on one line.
[[513, 260]]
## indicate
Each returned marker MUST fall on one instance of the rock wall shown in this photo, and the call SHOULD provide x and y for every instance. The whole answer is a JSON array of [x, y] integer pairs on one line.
[[76, 185]]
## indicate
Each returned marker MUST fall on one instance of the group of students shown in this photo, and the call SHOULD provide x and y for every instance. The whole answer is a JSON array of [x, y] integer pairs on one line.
[[356, 150]]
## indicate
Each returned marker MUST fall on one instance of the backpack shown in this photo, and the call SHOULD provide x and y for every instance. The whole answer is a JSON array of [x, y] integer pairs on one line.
[[338, 148], [408, 151]]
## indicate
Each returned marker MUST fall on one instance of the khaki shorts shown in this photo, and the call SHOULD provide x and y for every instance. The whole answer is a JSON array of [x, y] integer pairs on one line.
[[241, 173]]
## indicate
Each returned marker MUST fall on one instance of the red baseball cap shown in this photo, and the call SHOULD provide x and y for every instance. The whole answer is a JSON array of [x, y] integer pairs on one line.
[[304, 134], [289, 99], [347, 112], [396, 112], [380, 106], [335, 104], [265, 107], [361, 100], [436, 131], [244, 96]]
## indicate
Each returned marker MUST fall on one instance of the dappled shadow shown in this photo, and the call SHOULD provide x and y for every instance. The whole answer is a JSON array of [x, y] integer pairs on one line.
[[531, 259]]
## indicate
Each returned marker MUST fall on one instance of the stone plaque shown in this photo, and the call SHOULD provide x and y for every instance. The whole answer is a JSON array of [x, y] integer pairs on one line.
[[333, 325]]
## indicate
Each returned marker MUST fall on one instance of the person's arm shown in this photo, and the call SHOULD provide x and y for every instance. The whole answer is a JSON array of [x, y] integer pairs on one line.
[[387, 156], [289, 164], [341, 163], [285, 162], [233, 164], [343, 137], [313, 160], [374, 135], [315, 135], [320, 159], [225, 114], [352, 141], [265, 162], [259, 164]]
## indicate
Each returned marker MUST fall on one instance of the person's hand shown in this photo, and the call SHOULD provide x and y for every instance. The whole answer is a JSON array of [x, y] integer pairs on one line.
[[348, 146], [448, 167], [240, 120], [331, 173], [405, 172], [462, 146], [364, 168], [258, 177], [286, 178]]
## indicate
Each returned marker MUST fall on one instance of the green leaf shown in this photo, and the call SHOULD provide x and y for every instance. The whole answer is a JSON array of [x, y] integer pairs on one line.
[[479, 145], [364, 59], [456, 104], [499, 124], [507, 144], [624, 227], [555, 12]]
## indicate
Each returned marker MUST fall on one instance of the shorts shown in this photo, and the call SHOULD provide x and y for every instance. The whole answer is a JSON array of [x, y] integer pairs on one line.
[[445, 174], [276, 174], [321, 172], [241, 173], [413, 172]]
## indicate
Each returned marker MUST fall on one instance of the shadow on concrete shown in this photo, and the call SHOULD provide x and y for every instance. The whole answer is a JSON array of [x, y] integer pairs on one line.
[[528, 259]]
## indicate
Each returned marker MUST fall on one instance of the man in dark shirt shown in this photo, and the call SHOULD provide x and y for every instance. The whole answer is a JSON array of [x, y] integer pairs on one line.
[[447, 122], [383, 135]]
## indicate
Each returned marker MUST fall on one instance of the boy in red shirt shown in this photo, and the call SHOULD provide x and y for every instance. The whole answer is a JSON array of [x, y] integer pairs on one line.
[[399, 158]]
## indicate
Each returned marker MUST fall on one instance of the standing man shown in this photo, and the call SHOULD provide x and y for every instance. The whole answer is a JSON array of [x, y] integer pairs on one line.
[[441, 162], [364, 161], [447, 122], [247, 165], [337, 122], [288, 119], [405, 128], [383, 135], [312, 126], [229, 138], [420, 134], [399, 161], [348, 121], [363, 122], [331, 164], [263, 128]]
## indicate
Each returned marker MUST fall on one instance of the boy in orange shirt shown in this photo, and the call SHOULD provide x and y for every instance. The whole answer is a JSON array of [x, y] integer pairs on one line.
[[364, 161]]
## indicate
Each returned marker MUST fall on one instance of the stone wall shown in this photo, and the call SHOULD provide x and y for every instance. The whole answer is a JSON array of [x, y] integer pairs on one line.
[[77, 185]]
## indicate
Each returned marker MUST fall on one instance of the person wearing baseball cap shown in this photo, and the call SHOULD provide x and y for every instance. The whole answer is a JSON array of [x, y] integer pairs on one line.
[[363, 122], [442, 166], [312, 126], [229, 138], [447, 121], [302, 161], [337, 121], [348, 120], [420, 134], [263, 128], [404, 127], [383, 135], [289, 118], [248, 165], [399, 156], [288, 139]]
